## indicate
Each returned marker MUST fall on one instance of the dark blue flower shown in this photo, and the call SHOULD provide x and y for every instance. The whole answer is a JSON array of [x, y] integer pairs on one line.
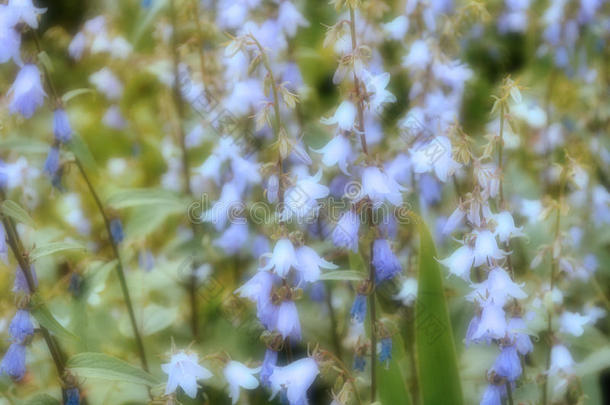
[[116, 230], [358, 311], [384, 261], [386, 350], [51, 165], [72, 396], [13, 362], [21, 326], [359, 363], [61, 126]]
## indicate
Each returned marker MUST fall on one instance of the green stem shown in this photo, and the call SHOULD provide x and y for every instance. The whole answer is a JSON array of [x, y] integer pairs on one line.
[[509, 393], [179, 104], [119, 267]]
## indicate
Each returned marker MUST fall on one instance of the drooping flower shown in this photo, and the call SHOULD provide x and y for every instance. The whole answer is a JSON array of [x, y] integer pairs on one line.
[[61, 126], [269, 363], [309, 264], [233, 238], [359, 362], [344, 117], [561, 360], [454, 220], [378, 187], [20, 284], [573, 323], [301, 200], [397, 28], [283, 258], [21, 327], [258, 289], [505, 227], [508, 364], [26, 11], [288, 324], [376, 86], [51, 164], [238, 375], [516, 329], [107, 83], [116, 230], [26, 92], [290, 19], [337, 151], [408, 291], [358, 310], [184, 370], [498, 287], [486, 248], [460, 262], [434, 155], [492, 324], [13, 362], [384, 261], [386, 350], [345, 234], [295, 379], [10, 40], [493, 395]]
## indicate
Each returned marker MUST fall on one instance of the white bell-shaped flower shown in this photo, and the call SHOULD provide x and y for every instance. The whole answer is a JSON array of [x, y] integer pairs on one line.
[[183, 370], [295, 379], [283, 258], [561, 360], [309, 264], [238, 375], [486, 247], [378, 186], [573, 323], [498, 288], [344, 117], [460, 262], [505, 228], [337, 151]]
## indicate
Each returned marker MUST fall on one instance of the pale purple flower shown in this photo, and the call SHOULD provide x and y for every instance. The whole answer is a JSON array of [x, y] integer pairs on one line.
[[376, 86], [486, 248], [283, 258], [288, 324], [301, 200], [13, 362], [498, 287], [290, 19], [561, 360], [454, 220], [434, 155], [269, 363], [26, 11], [505, 228], [77, 46], [493, 395], [233, 238], [384, 261], [492, 324], [258, 289], [345, 234], [10, 40], [107, 83], [508, 364], [573, 323], [309, 264], [21, 326], [337, 151], [295, 379], [344, 117], [516, 329], [397, 28], [378, 187], [27, 93], [460, 262], [184, 370], [238, 375], [61, 126], [113, 118]]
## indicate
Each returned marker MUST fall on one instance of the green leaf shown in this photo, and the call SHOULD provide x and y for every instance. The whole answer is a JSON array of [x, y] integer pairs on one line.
[[145, 196], [102, 366], [391, 380], [12, 209], [54, 247], [153, 319], [75, 93], [43, 399], [82, 153], [45, 318], [346, 275], [436, 357], [23, 144]]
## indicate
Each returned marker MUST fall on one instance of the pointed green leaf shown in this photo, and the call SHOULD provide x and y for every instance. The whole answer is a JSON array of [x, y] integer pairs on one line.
[[145, 196], [54, 247], [75, 93], [14, 210], [346, 275], [82, 153], [436, 357], [102, 366], [45, 318], [43, 399]]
